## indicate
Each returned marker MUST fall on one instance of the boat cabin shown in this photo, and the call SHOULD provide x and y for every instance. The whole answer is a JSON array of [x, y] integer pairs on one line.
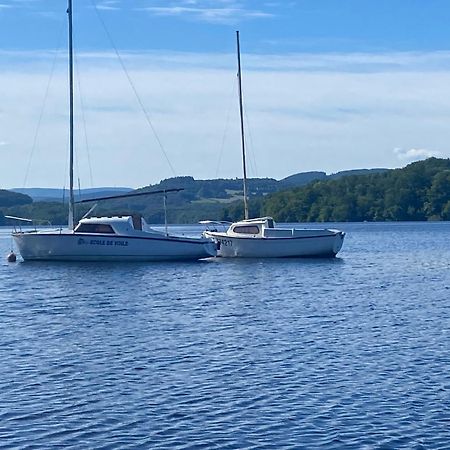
[[251, 227], [111, 225]]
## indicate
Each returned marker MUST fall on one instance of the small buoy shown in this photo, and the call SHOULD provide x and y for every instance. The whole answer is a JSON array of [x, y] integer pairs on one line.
[[11, 257]]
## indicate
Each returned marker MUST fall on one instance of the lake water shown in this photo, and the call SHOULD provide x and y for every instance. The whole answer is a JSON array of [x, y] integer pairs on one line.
[[350, 353]]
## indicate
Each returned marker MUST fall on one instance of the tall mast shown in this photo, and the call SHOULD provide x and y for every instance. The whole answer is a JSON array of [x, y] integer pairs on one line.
[[241, 110], [71, 196]]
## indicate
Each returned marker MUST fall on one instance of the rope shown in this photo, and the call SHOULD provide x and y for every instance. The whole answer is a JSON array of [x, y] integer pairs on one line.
[[250, 147], [141, 104], [227, 122], [44, 103], [83, 117]]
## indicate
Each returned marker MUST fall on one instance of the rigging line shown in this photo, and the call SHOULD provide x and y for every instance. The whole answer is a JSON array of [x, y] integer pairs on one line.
[[251, 147], [83, 116], [44, 103], [141, 104], [227, 122], [66, 168], [76, 156]]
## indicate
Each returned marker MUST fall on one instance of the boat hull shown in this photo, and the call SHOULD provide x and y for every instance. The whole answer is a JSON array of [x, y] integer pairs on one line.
[[69, 246], [310, 245]]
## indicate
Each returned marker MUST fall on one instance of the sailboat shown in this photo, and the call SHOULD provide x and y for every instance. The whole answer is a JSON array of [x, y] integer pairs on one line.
[[260, 237], [118, 238]]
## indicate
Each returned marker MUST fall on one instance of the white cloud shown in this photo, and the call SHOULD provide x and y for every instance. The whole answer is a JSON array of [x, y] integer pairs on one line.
[[224, 11], [207, 14], [415, 154], [317, 119], [108, 5], [12, 4]]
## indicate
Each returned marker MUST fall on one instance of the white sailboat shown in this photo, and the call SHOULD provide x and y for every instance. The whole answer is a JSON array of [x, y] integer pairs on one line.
[[259, 237], [120, 238]]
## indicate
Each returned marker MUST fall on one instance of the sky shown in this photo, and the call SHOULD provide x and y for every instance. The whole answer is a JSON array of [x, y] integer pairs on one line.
[[328, 85]]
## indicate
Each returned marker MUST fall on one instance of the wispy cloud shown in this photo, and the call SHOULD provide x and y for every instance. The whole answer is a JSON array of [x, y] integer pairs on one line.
[[353, 61], [415, 154], [108, 5], [309, 113], [224, 11], [36, 8], [13, 4]]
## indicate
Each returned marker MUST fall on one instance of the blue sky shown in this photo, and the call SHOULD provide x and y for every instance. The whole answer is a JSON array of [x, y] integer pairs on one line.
[[204, 25], [329, 85]]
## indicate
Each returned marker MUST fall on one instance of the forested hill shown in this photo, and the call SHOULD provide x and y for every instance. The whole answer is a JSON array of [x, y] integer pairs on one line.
[[200, 199], [9, 198], [419, 191]]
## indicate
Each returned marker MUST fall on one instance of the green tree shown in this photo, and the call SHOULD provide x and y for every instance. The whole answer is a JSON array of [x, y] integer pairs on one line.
[[438, 195]]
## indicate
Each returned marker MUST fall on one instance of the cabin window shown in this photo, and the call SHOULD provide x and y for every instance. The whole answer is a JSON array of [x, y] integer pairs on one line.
[[246, 229], [270, 223], [97, 228]]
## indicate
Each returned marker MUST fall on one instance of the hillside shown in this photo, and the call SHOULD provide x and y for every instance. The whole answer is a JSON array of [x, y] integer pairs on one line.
[[8, 198], [419, 191], [56, 195], [303, 178], [352, 172]]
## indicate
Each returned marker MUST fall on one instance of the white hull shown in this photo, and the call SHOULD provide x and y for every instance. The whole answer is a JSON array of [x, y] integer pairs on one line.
[[306, 243], [70, 246]]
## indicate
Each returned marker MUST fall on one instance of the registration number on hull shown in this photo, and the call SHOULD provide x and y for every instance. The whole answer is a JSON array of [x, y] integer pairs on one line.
[[225, 242]]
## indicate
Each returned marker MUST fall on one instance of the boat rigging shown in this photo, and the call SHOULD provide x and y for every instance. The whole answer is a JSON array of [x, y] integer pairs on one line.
[[259, 237], [117, 238]]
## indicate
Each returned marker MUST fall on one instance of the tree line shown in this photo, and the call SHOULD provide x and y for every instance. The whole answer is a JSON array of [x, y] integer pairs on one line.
[[419, 191]]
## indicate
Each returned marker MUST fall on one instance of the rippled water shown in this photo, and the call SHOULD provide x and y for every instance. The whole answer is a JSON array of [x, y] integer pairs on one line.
[[230, 354]]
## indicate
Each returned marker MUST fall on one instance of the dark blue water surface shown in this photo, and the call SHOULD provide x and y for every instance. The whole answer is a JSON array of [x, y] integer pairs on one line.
[[351, 352]]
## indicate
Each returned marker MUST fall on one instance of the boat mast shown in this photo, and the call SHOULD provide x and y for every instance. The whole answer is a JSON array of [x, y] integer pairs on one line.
[[241, 110], [71, 196]]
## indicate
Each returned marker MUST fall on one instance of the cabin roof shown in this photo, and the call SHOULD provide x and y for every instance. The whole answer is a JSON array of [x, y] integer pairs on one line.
[[257, 220], [107, 219]]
